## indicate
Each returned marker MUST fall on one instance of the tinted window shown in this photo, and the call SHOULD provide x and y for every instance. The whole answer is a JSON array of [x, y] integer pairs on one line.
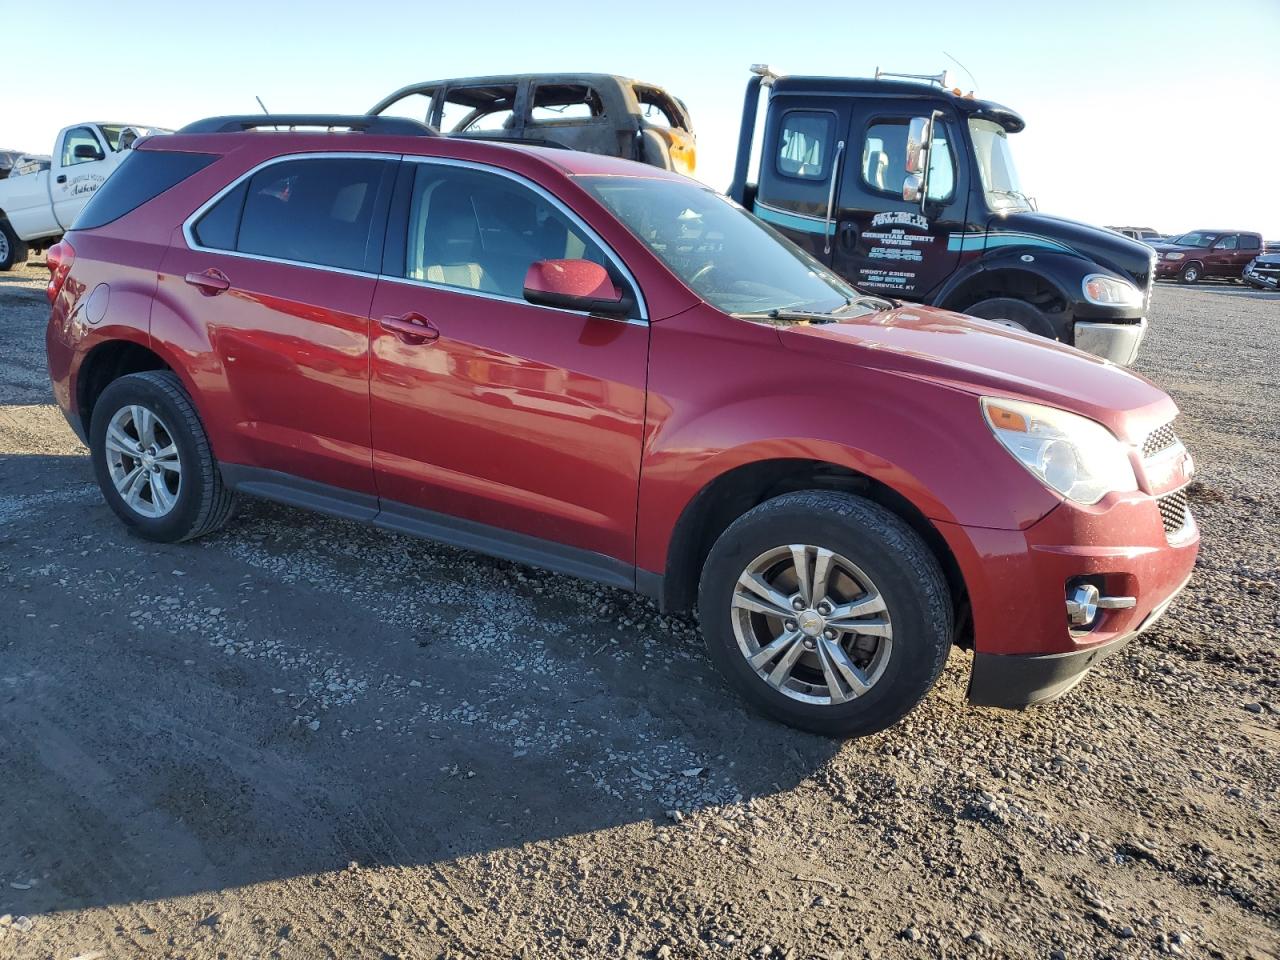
[[219, 227], [884, 160], [481, 231], [317, 211], [142, 176], [79, 137], [1250, 241], [805, 144]]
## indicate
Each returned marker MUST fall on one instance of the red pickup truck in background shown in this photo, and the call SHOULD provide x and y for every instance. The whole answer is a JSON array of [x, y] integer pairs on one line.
[[1207, 254]]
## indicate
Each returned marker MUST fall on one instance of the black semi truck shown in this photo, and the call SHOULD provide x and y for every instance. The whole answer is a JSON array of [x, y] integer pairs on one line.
[[907, 188]]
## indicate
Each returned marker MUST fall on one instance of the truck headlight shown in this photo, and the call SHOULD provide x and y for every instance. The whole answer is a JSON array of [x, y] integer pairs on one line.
[[1110, 291], [1073, 455], [1174, 256]]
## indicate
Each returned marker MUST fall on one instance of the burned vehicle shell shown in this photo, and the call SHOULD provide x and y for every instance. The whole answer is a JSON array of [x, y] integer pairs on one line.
[[592, 112]]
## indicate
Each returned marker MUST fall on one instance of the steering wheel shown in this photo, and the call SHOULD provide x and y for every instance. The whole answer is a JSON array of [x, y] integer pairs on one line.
[[702, 272]]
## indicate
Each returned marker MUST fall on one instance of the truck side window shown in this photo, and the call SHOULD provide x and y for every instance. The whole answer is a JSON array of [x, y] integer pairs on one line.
[[1226, 243], [884, 160], [1250, 241], [80, 136], [805, 144]]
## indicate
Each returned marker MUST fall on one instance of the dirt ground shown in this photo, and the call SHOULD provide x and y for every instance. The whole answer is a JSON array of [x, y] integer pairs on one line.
[[303, 738]]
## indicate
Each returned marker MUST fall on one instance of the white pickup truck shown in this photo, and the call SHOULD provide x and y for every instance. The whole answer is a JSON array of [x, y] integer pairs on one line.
[[40, 199]]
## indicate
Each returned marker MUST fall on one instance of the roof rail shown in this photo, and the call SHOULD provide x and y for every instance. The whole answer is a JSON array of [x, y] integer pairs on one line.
[[358, 123]]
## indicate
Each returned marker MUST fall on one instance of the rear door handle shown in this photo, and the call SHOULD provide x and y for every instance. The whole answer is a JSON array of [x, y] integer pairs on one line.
[[210, 283], [411, 328]]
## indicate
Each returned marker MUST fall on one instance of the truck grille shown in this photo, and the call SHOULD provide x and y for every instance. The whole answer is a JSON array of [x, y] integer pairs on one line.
[[1161, 438], [1174, 511]]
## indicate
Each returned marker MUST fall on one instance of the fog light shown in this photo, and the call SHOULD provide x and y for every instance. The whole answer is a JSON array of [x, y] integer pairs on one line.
[[1084, 602]]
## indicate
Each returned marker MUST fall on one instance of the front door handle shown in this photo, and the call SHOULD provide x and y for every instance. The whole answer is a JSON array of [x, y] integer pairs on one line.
[[210, 283], [848, 237], [411, 328], [61, 178]]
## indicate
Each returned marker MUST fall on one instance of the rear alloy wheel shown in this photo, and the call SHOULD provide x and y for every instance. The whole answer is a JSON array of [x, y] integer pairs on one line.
[[826, 611], [1190, 273], [153, 460]]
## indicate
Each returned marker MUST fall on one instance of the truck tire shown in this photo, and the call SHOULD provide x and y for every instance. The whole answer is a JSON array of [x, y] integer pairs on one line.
[[847, 657], [1013, 313], [1191, 273], [12, 250], [153, 461]]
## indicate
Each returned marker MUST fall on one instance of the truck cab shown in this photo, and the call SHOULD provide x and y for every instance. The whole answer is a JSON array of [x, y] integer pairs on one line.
[[909, 190]]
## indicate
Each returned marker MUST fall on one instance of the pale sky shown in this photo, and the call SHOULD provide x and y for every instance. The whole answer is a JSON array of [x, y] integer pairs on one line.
[[1152, 114]]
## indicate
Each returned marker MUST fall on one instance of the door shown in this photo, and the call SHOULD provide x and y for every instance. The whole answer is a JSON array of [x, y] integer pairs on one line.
[[883, 243], [280, 271], [82, 167], [1221, 260], [803, 153], [522, 418]]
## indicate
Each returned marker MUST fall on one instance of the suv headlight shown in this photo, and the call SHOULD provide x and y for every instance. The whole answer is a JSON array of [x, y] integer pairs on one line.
[[1110, 291], [1073, 455], [1174, 256]]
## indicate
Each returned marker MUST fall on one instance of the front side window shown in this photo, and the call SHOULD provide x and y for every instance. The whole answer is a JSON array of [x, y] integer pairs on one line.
[[80, 137], [995, 166], [806, 144], [316, 211], [472, 108], [482, 231], [884, 159], [721, 252]]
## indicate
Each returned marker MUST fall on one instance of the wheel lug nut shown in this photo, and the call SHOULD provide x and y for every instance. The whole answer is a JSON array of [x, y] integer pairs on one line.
[[790, 624], [824, 608], [829, 634], [797, 604]]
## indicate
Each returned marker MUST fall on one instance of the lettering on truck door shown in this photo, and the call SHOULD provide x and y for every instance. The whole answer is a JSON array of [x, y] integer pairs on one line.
[[883, 243]]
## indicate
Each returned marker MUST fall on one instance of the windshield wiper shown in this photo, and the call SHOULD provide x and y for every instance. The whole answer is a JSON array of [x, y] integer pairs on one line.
[[877, 304]]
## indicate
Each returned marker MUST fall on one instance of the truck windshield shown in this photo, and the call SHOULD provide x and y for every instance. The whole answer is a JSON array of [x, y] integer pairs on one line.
[[724, 254], [995, 165], [1194, 239]]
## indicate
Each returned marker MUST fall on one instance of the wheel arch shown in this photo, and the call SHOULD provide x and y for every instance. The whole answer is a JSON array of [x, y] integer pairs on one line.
[[107, 362], [732, 493]]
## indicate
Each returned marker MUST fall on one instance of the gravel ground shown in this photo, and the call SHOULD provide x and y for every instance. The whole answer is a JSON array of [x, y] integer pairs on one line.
[[303, 738]]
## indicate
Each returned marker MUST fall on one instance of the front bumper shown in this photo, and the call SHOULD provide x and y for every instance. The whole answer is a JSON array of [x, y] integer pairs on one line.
[[1017, 681], [1117, 342], [1270, 280]]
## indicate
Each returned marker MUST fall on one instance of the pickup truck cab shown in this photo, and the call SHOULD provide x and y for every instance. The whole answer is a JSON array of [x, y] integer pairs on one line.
[[1207, 254], [38, 207], [613, 372], [909, 189]]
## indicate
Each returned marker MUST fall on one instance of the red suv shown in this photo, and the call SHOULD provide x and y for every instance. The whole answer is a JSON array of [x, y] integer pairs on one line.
[[1205, 254], [613, 372]]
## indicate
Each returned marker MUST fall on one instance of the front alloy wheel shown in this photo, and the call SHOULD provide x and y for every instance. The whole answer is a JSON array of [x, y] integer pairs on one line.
[[812, 624], [143, 461]]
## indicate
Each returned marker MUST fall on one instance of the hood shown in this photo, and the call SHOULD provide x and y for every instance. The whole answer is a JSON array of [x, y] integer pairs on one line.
[[985, 359], [1124, 256]]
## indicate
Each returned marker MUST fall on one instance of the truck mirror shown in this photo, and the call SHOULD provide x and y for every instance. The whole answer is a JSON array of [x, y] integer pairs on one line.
[[911, 185], [919, 133], [86, 151]]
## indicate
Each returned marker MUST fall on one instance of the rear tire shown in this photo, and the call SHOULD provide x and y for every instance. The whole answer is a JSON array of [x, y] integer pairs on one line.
[[1015, 313], [153, 461], [12, 250], [871, 555], [1191, 273]]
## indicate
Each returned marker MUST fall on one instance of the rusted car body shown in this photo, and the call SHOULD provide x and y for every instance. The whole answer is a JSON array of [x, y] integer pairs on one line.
[[592, 112]]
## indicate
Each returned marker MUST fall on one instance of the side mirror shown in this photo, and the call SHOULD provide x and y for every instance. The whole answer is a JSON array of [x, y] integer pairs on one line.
[[919, 133], [575, 285], [911, 187], [86, 151]]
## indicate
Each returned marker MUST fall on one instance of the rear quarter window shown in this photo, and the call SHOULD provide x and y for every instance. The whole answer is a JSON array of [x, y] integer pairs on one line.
[[141, 177]]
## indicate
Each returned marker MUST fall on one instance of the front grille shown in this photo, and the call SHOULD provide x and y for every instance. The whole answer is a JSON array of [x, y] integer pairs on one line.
[[1161, 438], [1174, 511]]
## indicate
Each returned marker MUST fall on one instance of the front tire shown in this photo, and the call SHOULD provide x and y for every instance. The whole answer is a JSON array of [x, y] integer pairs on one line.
[[12, 250], [1017, 314], [1191, 273], [827, 612], [153, 461]]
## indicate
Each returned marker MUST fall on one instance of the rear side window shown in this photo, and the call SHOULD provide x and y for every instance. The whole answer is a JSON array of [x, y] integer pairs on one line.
[[141, 177], [805, 144], [317, 211], [1250, 241]]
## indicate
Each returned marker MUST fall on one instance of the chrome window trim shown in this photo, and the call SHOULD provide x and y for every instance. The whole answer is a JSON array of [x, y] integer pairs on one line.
[[556, 202], [188, 232]]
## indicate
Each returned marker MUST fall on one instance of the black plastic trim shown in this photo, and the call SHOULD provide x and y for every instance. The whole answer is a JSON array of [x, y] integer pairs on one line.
[[429, 525], [1014, 681], [358, 123]]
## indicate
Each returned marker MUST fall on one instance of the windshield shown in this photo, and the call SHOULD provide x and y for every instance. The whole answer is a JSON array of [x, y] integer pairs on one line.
[[725, 255], [1193, 239], [995, 165]]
